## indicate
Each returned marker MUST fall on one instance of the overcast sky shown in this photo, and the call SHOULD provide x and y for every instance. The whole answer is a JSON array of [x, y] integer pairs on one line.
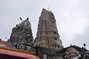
[[72, 18]]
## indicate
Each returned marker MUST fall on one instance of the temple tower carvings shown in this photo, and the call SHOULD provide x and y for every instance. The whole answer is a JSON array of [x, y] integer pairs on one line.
[[21, 36], [47, 34]]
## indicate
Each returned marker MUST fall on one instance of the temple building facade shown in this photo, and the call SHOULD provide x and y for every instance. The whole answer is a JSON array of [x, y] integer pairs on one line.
[[47, 44], [21, 36], [47, 34]]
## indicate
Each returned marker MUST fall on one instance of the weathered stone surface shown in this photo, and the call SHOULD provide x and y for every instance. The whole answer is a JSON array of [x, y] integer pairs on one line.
[[47, 35], [21, 35], [71, 52]]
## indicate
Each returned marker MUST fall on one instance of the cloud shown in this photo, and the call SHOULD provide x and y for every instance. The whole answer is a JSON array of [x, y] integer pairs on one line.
[[72, 16], [11, 10], [82, 38]]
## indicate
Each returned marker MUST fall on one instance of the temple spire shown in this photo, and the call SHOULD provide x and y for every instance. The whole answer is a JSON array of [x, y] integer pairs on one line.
[[47, 34]]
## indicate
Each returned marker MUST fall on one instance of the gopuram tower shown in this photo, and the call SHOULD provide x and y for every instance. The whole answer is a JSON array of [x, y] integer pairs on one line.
[[21, 36], [47, 35]]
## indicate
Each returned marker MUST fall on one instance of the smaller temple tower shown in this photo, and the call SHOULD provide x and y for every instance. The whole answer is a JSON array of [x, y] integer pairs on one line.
[[47, 34], [21, 36]]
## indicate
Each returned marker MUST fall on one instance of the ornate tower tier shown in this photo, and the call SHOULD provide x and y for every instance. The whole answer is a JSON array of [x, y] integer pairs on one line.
[[21, 36], [47, 34]]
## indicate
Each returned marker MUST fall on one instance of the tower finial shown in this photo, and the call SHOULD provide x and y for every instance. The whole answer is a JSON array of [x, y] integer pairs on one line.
[[27, 18], [49, 8], [20, 18], [49, 5]]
